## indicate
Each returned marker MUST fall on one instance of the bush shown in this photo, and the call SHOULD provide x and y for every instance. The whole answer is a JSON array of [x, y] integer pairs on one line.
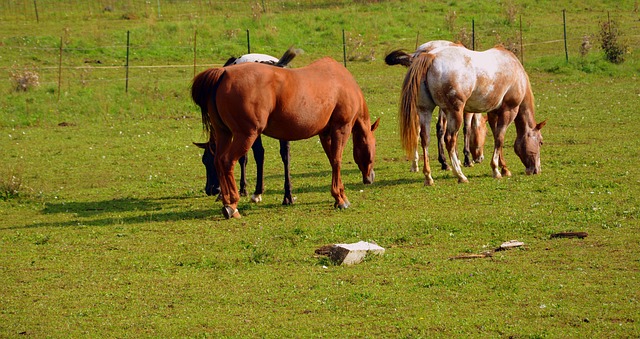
[[24, 80], [10, 187], [614, 49]]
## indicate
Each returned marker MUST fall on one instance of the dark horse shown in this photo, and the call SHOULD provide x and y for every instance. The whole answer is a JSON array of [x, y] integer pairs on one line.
[[460, 81], [242, 102], [212, 187]]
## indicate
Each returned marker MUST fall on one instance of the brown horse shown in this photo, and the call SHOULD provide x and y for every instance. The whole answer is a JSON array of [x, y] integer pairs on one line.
[[458, 81], [475, 127], [212, 186], [244, 101]]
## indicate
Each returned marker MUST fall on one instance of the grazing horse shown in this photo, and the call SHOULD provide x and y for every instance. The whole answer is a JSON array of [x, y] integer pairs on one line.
[[475, 127], [240, 103], [458, 81], [212, 186]]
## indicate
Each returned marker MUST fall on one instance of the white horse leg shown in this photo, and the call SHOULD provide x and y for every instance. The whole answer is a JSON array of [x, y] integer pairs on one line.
[[414, 161], [453, 125], [425, 127]]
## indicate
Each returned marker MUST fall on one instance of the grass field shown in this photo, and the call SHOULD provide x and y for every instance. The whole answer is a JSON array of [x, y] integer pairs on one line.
[[105, 230]]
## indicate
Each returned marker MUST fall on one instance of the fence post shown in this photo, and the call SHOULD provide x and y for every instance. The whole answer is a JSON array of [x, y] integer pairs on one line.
[[60, 69], [521, 45], [564, 25], [126, 85], [248, 43], [344, 49], [35, 6], [473, 34], [195, 48]]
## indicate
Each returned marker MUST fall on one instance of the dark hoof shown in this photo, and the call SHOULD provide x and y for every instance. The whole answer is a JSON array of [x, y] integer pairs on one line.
[[446, 167], [288, 201], [243, 193], [230, 212]]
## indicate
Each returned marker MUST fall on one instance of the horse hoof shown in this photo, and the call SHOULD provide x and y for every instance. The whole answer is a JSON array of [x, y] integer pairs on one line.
[[428, 182], [446, 167], [463, 180], [288, 201], [243, 193], [342, 206], [468, 164], [506, 172], [256, 198], [230, 212]]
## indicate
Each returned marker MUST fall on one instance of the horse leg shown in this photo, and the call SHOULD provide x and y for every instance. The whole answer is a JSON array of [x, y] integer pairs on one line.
[[441, 126], [230, 149], [499, 121], [333, 143], [414, 161], [243, 175], [454, 120], [425, 138], [466, 131], [285, 154], [258, 156]]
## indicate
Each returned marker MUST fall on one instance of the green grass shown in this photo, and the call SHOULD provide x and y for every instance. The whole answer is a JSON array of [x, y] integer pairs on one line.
[[106, 232]]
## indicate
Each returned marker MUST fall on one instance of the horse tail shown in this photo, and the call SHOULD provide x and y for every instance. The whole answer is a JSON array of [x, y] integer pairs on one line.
[[398, 57], [230, 61], [288, 56], [409, 120], [203, 89]]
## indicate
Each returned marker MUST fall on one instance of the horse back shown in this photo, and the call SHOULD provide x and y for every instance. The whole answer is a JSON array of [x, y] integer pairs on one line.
[[288, 104], [483, 80]]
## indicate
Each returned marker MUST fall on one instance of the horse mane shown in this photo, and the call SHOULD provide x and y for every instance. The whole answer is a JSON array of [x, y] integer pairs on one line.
[[204, 86], [398, 57], [409, 121]]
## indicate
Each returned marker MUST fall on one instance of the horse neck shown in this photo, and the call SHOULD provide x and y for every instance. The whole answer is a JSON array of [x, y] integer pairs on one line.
[[526, 114]]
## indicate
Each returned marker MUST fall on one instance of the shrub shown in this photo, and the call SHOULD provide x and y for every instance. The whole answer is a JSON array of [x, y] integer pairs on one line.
[[614, 49], [10, 187], [23, 80]]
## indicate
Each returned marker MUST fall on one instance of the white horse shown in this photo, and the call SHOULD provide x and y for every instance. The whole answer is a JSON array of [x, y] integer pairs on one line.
[[475, 127], [461, 81]]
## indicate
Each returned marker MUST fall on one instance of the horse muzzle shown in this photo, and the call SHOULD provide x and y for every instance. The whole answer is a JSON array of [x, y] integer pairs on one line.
[[368, 179], [532, 170]]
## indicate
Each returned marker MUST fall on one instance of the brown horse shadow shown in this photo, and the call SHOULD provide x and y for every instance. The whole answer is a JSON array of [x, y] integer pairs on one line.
[[99, 213]]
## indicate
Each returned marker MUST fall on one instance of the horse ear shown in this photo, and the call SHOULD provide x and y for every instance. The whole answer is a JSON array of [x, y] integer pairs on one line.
[[375, 125], [540, 125]]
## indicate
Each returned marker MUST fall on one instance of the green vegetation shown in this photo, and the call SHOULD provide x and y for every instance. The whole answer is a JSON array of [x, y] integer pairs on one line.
[[105, 230]]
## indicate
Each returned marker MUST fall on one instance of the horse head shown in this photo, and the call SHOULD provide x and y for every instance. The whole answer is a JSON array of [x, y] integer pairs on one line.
[[364, 151], [477, 136], [212, 187], [527, 147]]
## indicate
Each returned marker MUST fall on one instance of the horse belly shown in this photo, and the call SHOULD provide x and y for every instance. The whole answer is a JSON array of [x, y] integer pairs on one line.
[[294, 126]]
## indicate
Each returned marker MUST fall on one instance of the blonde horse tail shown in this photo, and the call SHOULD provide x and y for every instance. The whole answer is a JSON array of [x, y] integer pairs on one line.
[[203, 89], [409, 120]]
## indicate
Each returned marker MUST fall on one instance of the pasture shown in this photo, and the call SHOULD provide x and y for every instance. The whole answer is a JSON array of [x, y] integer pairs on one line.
[[105, 230]]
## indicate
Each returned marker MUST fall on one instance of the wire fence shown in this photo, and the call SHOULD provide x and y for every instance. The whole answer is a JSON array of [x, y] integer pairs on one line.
[[65, 66]]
